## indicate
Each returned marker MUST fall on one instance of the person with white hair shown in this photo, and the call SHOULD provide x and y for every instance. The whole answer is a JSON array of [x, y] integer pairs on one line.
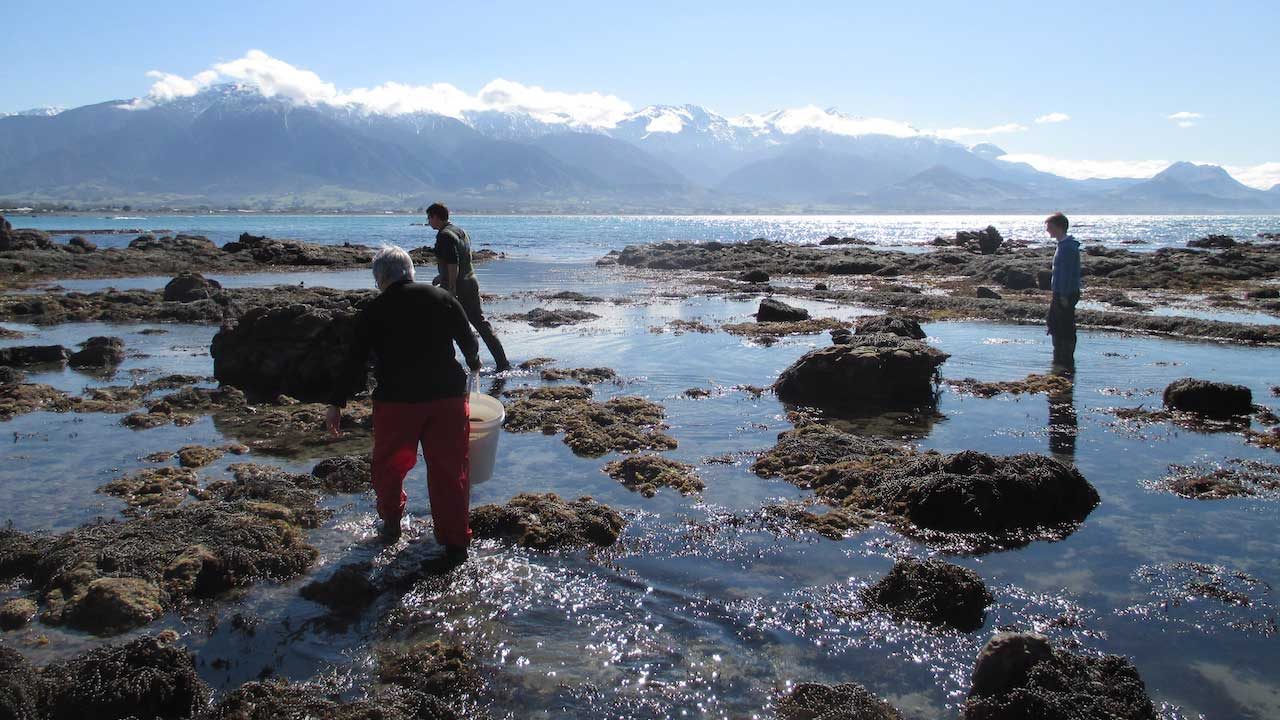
[[420, 398]]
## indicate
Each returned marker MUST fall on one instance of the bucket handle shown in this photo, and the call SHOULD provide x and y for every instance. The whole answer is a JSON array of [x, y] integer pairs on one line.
[[473, 379]]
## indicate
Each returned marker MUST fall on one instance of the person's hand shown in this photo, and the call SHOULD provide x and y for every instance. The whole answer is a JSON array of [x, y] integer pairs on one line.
[[333, 419], [473, 363], [437, 280]]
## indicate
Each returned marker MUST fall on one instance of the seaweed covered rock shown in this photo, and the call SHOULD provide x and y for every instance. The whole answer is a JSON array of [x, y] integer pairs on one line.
[[279, 699], [624, 424], [345, 473], [932, 591], [105, 578], [146, 678], [586, 376], [297, 350], [1020, 675], [99, 351], [190, 287], [15, 613], [432, 668], [1012, 499], [544, 521], [846, 701], [893, 324], [152, 488], [544, 318], [880, 370], [970, 491], [21, 687], [646, 473], [773, 310], [273, 492], [1212, 399], [33, 355]]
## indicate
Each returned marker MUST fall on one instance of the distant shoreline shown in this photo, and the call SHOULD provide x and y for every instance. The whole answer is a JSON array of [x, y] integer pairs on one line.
[[145, 214]]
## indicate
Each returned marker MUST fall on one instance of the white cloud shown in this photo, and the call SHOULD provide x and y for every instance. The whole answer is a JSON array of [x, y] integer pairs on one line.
[[593, 109], [812, 117], [1083, 169], [276, 78], [1054, 117], [1263, 176], [962, 132], [1185, 119]]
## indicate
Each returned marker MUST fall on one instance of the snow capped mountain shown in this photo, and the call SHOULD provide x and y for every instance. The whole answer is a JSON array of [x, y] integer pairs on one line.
[[512, 145]]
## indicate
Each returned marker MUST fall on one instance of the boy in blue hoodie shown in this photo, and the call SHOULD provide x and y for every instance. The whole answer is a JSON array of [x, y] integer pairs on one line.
[[1066, 291]]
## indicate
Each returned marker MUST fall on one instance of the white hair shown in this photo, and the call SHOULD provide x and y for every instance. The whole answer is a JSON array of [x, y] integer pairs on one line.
[[391, 264]]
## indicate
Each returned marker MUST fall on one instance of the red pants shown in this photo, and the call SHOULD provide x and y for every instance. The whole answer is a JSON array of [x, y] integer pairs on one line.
[[442, 427]]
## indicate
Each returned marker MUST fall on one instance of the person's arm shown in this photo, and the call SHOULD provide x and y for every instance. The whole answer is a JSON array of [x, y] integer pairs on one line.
[[354, 373], [447, 257], [451, 277], [460, 330]]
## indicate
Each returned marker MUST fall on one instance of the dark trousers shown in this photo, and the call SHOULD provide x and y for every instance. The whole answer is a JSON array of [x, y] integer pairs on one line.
[[469, 296], [1062, 328]]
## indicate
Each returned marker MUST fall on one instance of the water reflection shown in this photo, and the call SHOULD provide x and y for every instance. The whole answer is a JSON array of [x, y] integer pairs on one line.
[[1063, 425]]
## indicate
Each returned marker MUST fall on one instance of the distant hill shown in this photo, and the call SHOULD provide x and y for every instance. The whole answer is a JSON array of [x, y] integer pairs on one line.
[[230, 145]]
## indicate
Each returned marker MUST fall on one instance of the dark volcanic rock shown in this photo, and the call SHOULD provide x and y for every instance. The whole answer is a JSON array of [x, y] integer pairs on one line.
[[82, 245], [11, 375], [1019, 675], [1213, 399], [986, 293], [932, 591], [33, 355], [98, 351], [545, 521], [179, 243], [586, 376], [1014, 278], [870, 371], [772, 310], [1213, 241], [26, 239], [846, 701], [348, 590], [754, 276], [299, 350], [189, 287], [892, 324]]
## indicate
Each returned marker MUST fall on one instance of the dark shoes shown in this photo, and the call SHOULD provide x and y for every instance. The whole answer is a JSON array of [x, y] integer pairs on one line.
[[502, 366], [389, 533], [454, 555]]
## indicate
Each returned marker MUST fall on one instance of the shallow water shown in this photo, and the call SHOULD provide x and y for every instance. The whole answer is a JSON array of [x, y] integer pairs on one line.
[[692, 614], [570, 238]]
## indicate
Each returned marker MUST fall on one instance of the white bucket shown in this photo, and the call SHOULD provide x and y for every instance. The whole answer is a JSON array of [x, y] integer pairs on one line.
[[487, 415]]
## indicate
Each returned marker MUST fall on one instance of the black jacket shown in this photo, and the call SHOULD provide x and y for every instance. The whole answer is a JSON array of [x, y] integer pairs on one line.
[[411, 329]]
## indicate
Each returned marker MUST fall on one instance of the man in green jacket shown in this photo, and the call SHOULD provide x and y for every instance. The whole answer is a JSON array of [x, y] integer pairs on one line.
[[453, 256]]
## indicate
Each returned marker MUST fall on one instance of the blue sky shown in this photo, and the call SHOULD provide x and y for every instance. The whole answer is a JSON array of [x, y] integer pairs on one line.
[[1119, 71]]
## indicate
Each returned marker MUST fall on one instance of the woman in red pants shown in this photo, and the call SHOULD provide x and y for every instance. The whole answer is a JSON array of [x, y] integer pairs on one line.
[[420, 398]]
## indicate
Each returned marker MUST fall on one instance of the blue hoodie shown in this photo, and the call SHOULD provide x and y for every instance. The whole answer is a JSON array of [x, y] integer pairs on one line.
[[1066, 267]]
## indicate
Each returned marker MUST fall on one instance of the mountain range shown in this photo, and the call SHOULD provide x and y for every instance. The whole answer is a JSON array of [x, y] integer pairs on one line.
[[230, 145]]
